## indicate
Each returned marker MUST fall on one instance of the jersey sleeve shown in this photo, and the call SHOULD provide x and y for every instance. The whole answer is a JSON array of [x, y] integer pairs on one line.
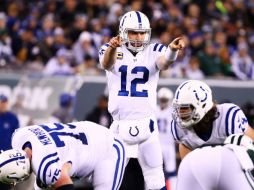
[[174, 131], [102, 51], [48, 168], [235, 121], [158, 50], [45, 162], [19, 137]]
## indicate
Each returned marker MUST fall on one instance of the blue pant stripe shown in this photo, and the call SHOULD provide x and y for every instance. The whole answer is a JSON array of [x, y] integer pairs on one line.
[[122, 167], [119, 165]]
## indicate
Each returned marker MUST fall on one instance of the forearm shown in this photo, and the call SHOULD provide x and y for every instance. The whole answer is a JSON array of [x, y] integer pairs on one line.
[[250, 132], [109, 58], [183, 150], [170, 54], [169, 57], [64, 179]]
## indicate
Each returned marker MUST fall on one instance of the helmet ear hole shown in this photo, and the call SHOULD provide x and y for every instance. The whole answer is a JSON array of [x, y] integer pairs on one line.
[[203, 105]]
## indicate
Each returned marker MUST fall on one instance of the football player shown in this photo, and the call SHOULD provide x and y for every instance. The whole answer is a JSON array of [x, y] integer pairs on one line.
[[132, 67], [199, 121], [56, 153], [228, 167], [168, 146]]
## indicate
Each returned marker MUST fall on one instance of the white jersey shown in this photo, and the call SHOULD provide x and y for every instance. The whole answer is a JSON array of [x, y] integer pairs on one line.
[[132, 82], [83, 144], [217, 167], [230, 120], [164, 118], [167, 142]]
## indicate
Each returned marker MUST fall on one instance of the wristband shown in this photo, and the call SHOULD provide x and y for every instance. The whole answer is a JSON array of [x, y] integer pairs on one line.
[[171, 55]]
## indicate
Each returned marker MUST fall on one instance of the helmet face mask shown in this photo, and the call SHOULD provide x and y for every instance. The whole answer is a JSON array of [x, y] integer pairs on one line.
[[135, 22], [193, 99], [185, 115], [14, 166]]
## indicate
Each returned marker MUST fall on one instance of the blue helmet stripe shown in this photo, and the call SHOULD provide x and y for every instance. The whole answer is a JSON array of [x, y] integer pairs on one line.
[[11, 160], [123, 20], [177, 93], [139, 19], [183, 85]]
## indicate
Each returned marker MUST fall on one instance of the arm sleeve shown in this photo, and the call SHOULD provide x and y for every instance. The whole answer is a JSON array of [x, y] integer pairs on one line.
[[102, 51], [236, 121], [174, 131], [48, 169], [159, 51]]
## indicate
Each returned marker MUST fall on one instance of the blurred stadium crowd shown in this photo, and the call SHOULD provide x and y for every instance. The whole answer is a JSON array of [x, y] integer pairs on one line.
[[62, 37]]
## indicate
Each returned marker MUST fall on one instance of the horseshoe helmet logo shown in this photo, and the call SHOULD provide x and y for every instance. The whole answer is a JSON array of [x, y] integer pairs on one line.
[[134, 131], [202, 97]]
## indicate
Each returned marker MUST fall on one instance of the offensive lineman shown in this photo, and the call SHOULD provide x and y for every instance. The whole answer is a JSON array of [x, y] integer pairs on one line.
[[56, 153], [199, 121], [132, 67]]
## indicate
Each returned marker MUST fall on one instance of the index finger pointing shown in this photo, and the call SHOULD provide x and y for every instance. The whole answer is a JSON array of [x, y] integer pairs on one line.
[[177, 39], [118, 37]]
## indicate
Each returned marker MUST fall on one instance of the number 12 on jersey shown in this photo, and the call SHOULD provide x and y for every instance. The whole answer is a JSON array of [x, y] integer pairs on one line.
[[133, 87]]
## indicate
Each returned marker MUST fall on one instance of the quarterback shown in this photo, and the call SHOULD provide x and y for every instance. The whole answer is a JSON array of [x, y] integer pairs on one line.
[[132, 67], [57, 153]]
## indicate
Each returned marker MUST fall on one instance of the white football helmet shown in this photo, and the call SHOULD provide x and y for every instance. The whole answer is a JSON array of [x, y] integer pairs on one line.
[[165, 93], [14, 166], [165, 96], [192, 100], [138, 22]]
